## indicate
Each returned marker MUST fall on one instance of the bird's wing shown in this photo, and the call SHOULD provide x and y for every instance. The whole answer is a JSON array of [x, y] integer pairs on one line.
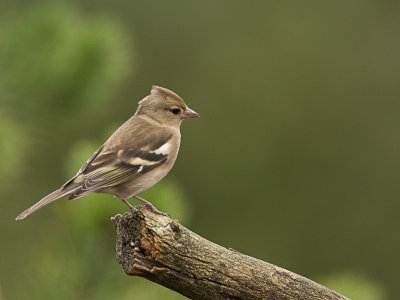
[[94, 156], [110, 168]]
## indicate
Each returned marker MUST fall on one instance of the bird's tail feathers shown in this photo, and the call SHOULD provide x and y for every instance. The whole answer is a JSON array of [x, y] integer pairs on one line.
[[44, 201]]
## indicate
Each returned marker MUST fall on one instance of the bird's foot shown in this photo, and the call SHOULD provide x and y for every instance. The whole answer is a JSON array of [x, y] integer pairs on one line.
[[151, 206], [131, 207]]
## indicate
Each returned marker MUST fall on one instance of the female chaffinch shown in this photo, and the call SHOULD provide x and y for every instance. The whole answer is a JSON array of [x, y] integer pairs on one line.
[[136, 156]]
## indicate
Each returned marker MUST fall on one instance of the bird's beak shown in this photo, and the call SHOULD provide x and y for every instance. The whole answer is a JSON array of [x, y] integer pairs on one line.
[[189, 113]]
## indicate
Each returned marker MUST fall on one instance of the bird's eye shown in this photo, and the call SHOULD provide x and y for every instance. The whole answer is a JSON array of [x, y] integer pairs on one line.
[[175, 111]]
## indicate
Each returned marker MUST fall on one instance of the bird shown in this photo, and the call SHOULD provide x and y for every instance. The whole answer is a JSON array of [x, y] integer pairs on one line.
[[135, 157]]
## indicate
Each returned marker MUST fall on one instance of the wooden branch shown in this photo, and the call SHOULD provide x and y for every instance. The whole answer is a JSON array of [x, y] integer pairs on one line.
[[162, 250]]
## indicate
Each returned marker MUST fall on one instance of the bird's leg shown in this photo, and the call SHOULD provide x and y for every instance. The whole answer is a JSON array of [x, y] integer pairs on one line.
[[151, 206], [131, 207]]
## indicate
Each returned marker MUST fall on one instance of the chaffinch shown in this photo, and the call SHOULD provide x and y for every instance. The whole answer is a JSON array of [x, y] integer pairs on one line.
[[136, 156]]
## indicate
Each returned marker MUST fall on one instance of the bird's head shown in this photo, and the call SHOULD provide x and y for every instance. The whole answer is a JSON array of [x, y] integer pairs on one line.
[[165, 107]]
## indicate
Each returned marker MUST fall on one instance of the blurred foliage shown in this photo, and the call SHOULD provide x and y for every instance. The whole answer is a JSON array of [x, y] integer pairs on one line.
[[296, 148], [12, 147], [72, 60], [355, 286]]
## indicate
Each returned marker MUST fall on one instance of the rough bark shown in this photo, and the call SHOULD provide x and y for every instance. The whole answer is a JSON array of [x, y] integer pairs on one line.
[[162, 250]]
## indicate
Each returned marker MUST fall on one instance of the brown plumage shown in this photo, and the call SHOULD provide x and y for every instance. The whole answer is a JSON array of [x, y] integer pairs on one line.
[[136, 156]]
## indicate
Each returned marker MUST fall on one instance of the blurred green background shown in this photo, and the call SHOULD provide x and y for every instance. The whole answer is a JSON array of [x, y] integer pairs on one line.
[[295, 158]]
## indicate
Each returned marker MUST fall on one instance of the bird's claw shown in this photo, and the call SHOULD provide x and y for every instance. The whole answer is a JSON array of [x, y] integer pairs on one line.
[[154, 210], [161, 213], [152, 207], [135, 209]]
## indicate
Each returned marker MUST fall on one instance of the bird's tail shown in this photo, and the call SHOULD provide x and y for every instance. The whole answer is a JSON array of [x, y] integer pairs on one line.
[[46, 200]]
